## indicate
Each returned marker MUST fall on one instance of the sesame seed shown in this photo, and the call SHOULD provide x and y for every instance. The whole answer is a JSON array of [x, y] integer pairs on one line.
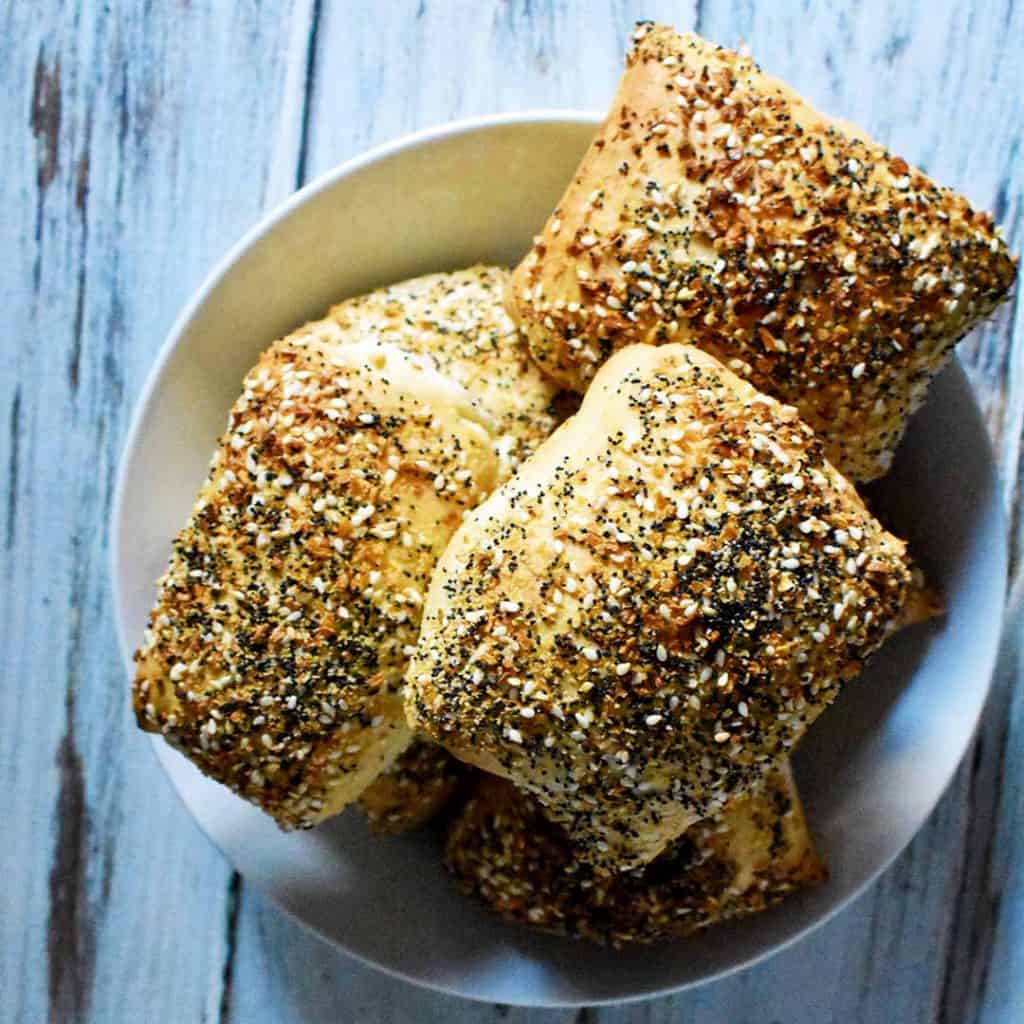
[[363, 513]]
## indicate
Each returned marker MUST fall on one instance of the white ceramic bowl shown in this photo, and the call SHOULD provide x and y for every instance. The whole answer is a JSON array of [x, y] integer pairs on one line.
[[871, 770]]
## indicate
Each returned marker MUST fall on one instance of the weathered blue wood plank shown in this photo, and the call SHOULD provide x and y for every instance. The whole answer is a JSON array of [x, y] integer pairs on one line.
[[988, 983], [136, 148], [446, 60], [996, 986]]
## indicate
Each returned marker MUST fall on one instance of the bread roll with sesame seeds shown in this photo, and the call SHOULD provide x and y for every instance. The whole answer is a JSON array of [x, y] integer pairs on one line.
[[648, 616], [504, 851], [278, 642], [412, 790], [715, 207], [275, 652], [457, 320]]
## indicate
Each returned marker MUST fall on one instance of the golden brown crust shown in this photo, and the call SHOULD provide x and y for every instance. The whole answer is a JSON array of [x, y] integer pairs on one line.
[[652, 611], [503, 850], [457, 319], [412, 790], [716, 207]]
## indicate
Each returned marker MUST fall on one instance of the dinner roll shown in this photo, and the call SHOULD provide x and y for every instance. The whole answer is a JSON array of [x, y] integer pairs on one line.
[[275, 652], [648, 616], [715, 207], [504, 851]]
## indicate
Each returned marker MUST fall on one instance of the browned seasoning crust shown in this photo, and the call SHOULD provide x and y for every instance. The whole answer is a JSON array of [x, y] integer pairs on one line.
[[504, 851], [650, 614], [412, 790], [716, 207], [275, 652]]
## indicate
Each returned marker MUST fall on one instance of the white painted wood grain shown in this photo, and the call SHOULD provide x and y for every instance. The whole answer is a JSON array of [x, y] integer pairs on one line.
[[134, 151], [992, 978], [190, 119], [383, 70]]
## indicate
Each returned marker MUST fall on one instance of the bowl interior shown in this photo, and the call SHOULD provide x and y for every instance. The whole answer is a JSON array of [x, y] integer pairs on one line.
[[870, 771]]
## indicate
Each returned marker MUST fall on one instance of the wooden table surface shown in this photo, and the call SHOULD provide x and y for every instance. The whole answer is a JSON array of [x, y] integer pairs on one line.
[[139, 141]]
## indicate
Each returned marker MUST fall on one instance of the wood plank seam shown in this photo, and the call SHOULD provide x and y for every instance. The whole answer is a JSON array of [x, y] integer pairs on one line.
[[236, 883]]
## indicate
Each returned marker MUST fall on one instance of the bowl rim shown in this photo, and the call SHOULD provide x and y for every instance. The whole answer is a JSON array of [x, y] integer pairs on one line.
[[221, 269]]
